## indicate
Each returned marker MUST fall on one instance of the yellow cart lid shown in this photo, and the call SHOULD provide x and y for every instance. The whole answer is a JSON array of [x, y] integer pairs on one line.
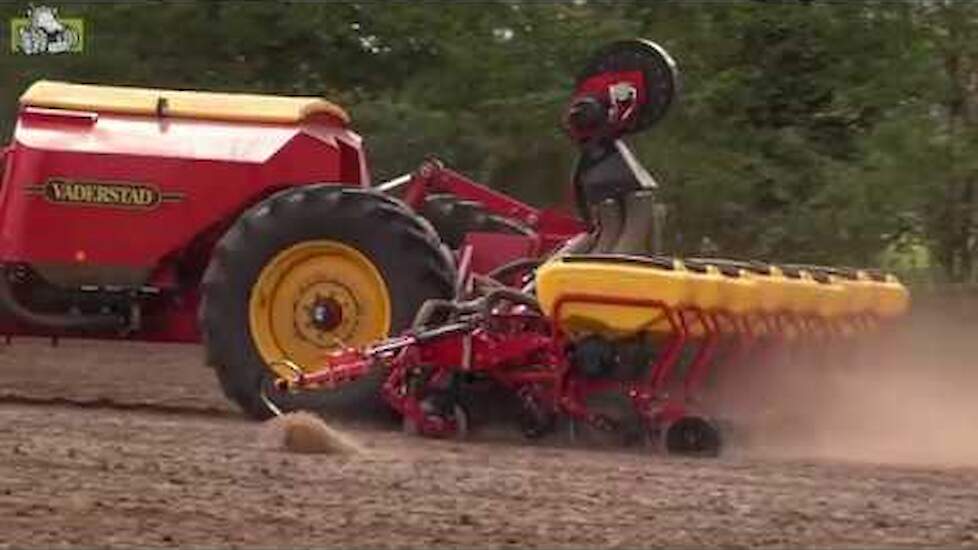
[[184, 104]]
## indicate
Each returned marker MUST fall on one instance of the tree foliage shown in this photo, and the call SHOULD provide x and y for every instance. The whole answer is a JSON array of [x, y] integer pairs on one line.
[[806, 131]]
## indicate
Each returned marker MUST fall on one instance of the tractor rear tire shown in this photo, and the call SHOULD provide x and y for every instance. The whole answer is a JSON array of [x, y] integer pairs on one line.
[[305, 270]]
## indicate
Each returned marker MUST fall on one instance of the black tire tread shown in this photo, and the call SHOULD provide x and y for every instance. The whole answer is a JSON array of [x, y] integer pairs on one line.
[[294, 215], [452, 217]]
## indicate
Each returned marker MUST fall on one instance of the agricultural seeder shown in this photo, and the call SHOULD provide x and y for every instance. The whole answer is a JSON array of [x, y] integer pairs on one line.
[[601, 317], [249, 223]]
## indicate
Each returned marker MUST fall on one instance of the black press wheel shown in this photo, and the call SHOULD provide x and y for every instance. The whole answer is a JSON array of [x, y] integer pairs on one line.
[[692, 436]]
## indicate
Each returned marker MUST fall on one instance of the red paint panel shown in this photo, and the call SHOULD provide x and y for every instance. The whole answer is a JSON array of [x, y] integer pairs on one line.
[[207, 171]]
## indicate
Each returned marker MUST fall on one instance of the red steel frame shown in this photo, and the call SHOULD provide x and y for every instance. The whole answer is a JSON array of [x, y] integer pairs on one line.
[[550, 227], [503, 346]]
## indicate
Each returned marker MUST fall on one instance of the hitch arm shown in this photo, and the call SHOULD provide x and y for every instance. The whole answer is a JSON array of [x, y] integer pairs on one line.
[[349, 364], [342, 366]]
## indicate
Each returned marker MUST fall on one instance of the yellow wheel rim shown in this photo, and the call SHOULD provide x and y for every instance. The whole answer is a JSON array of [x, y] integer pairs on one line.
[[313, 297]]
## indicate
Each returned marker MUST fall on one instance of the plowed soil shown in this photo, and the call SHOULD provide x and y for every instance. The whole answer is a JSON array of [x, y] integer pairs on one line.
[[132, 445]]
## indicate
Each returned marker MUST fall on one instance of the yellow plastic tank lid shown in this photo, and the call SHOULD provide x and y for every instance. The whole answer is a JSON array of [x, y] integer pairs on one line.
[[185, 104]]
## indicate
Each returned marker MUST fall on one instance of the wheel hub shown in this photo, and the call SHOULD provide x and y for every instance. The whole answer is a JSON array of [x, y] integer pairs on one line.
[[326, 314], [313, 297]]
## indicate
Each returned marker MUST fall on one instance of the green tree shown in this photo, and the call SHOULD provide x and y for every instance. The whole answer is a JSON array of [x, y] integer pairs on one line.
[[806, 131]]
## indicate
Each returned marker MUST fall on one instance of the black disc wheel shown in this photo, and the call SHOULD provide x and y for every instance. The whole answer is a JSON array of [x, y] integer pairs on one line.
[[692, 436], [444, 408]]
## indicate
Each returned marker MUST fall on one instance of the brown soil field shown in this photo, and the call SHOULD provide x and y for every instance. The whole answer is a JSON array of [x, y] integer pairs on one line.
[[129, 444]]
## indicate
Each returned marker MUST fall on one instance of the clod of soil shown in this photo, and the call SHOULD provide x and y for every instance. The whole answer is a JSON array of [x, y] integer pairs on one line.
[[304, 432]]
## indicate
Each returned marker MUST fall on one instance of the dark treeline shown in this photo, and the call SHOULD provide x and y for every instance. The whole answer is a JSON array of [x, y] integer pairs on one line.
[[837, 132]]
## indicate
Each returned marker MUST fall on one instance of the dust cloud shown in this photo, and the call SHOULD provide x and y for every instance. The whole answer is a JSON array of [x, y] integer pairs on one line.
[[307, 433], [908, 395]]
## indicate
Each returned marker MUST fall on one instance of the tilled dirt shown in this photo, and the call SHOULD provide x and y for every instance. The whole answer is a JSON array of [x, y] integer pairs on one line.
[[132, 445]]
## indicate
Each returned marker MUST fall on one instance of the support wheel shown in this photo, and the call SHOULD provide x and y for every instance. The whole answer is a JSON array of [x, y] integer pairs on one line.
[[444, 411], [536, 419], [692, 436]]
